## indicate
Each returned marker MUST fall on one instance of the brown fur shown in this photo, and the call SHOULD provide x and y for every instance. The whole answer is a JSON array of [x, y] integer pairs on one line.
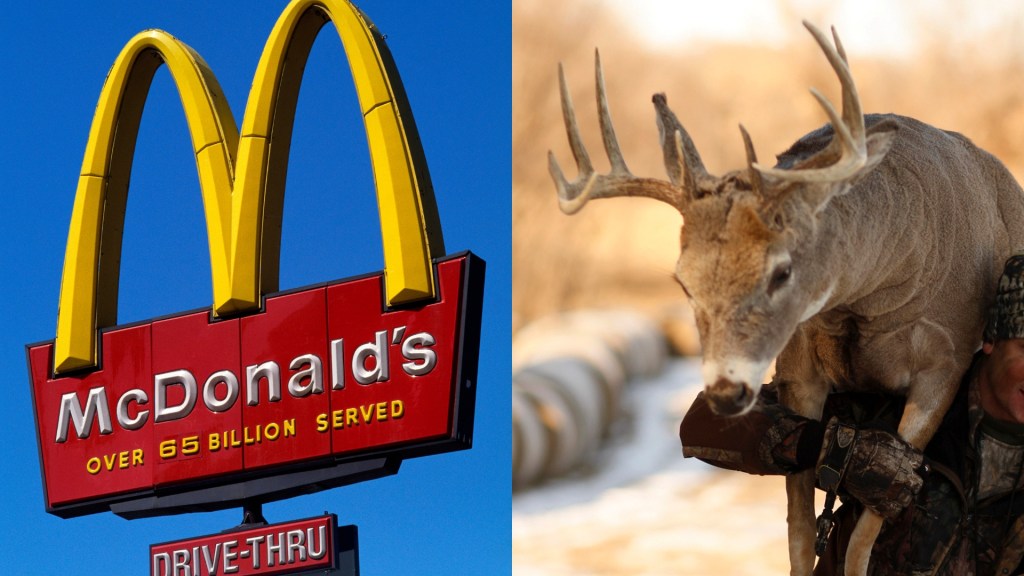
[[912, 253]]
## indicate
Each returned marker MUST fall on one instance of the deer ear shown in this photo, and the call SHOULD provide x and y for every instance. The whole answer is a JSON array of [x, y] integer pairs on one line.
[[879, 141]]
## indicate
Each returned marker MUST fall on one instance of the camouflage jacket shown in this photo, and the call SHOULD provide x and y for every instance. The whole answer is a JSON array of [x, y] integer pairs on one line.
[[947, 531]]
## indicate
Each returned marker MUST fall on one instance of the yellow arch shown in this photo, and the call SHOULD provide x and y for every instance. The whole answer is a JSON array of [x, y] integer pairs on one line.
[[243, 202], [410, 225], [92, 261]]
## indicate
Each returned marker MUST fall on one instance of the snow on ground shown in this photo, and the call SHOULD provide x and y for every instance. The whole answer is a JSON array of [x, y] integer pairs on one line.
[[642, 509]]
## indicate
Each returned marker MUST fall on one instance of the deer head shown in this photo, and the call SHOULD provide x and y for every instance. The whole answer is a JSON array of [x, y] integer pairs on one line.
[[747, 249]]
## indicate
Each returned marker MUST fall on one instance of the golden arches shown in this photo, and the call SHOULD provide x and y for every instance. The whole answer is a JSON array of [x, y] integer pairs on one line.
[[242, 200], [410, 225]]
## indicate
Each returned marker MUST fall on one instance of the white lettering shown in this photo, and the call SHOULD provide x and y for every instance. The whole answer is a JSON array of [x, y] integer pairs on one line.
[[210, 391], [233, 556], [318, 554], [183, 378], [416, 348], [275, 549], [315, 373], [95, 405], [229, 557], [338, 364], [253, 374], [370, 363], [162, 564], [181, 563], [296, 546], [254, 547], [378, 350], [122, 410], [211, 561]]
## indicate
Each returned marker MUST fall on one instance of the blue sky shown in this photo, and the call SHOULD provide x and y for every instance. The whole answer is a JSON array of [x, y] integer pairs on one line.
[[446, 514]]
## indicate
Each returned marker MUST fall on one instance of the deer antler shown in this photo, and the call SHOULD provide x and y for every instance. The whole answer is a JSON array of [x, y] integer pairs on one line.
[[850, 134], [748, 147], [619, 181]]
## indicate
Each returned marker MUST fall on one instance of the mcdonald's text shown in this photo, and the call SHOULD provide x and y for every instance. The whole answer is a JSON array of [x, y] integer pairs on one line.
[[369, 364]]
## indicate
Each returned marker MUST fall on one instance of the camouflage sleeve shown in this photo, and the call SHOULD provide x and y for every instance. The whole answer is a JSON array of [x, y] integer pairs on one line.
[[930, 536], [769, 439]]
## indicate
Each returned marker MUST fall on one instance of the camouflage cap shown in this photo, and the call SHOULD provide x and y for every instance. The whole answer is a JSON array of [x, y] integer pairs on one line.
[[1006, 316]]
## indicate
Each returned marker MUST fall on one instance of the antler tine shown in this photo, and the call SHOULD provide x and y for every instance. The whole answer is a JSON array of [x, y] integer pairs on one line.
[[852, 113], [850, 133], [619, 181], [748, 147], [851, 161], [568, 193], [611, 143], [835, 39]]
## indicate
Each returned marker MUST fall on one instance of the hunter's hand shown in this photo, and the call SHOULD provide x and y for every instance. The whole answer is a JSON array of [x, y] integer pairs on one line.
[[876, 467]]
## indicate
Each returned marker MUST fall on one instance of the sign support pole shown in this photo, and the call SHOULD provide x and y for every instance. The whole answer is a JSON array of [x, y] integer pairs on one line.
[[252, 514]]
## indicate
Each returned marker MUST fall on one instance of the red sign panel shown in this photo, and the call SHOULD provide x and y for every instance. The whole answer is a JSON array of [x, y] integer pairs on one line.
[[285, 548], [319, 376]]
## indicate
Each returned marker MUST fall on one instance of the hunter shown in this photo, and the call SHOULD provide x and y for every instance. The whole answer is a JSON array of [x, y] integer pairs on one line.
[[957, 509]]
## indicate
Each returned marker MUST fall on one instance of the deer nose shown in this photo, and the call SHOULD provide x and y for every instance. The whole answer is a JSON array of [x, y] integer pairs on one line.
[[728, 398]]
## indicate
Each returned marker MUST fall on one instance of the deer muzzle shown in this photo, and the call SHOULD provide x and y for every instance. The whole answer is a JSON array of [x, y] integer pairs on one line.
[[729, 398]]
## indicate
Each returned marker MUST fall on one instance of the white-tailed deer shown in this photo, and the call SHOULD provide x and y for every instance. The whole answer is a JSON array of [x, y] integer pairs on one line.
[[865, 259]]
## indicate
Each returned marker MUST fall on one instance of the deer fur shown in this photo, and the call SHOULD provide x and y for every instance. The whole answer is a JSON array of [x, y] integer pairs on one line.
[[866, 259]]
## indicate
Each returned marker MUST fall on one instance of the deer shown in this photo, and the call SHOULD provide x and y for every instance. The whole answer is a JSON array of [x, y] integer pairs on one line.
[[866, 258]]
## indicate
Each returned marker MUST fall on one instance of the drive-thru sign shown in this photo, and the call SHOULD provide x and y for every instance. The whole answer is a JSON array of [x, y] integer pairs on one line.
[[266, 394], [310, 546]]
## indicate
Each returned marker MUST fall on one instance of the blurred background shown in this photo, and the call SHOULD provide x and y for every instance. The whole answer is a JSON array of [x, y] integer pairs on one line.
[[629, 504]]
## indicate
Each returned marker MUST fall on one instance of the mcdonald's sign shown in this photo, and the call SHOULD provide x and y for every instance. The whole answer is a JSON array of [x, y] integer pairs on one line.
[[267, 394]]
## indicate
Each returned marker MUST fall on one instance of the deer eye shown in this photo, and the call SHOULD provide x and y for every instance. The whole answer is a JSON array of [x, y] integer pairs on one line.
[[780, 276]]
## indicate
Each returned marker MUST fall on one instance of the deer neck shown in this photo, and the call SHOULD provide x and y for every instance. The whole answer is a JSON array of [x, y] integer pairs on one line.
[[860, 253]]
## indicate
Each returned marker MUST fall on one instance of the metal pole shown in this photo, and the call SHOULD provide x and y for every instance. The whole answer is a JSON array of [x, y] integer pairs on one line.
[[252, 513]]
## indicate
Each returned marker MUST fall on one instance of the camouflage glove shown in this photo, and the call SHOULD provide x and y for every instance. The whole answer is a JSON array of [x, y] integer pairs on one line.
[[876, 467], [791, 443]]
